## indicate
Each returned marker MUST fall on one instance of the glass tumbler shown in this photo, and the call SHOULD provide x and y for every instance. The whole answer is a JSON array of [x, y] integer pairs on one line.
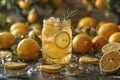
[[56, 41]]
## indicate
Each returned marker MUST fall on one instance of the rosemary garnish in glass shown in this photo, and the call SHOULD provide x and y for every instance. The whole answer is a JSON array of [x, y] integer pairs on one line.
[[69, 14]]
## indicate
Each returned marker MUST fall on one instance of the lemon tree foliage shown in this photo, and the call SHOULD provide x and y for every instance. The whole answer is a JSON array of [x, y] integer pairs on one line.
[[4, 22], [24, 7], [111, 6]]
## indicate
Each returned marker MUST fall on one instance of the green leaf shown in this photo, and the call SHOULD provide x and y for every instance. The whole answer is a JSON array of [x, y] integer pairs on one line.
[[35, 37], [82, 74], [90, 7], [70, 14], [14, 56], [107, 4], [107, 13], [23, 76]]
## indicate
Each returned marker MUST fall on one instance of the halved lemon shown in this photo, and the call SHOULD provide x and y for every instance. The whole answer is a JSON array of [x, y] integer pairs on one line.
[[88, 60], [62, 39], [113, 46], [5, 54], [15, 65], [53, 68], [110, 62]]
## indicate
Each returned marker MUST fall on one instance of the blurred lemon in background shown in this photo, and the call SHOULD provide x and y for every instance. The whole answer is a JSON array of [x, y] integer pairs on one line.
[[23, 4], [87, 21], [32, 17], [19, 28], [99, 4]]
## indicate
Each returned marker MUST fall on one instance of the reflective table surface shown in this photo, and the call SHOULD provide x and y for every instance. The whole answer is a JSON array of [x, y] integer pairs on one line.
[[72, 71]]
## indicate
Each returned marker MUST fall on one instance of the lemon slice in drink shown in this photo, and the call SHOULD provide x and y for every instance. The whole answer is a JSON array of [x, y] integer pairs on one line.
[[15, 65], [62, 39], [113, 46], [88, 60], [54, 52], [53, 68], [63, 60], [110, 62], [5, 54]]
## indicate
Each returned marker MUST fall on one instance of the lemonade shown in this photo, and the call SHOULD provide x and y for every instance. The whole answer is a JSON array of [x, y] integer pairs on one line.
[[56, 41]]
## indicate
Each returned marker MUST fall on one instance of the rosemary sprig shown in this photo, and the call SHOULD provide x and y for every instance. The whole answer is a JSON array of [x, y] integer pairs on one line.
[[69, 15]]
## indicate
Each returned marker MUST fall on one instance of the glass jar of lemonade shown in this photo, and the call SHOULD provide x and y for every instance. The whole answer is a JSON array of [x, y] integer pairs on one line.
[[56, 41]]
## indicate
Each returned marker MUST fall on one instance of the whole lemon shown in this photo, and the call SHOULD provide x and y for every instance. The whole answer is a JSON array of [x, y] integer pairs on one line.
[[19, 25], [17, 32], [23, 4], [99, 4], [6, 40], [87, 21], [32, 17], [115, 37], [82, 43], [107, 29], [28, 49], [86, 2], [99, 41]]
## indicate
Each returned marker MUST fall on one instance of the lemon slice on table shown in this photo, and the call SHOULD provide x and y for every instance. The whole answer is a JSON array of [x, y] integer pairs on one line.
[[110, 62], [62, 39], [88, 60], [113, 46], [53, 68], [15, 65], [5, 54]]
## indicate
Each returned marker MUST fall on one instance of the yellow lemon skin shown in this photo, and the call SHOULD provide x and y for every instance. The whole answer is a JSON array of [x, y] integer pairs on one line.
[[19, 25], [23, 4], [107, 29], [32, 17], [6, 40], [87, 21], [82, 43], [15, 65], [86, 2], [28, 49], [99, 4], [115, 37], [17, 32], [99, 41], [88, 60]]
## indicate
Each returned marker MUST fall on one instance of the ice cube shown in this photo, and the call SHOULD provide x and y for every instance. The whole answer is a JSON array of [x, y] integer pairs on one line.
[[57, 19], [51, 19]]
